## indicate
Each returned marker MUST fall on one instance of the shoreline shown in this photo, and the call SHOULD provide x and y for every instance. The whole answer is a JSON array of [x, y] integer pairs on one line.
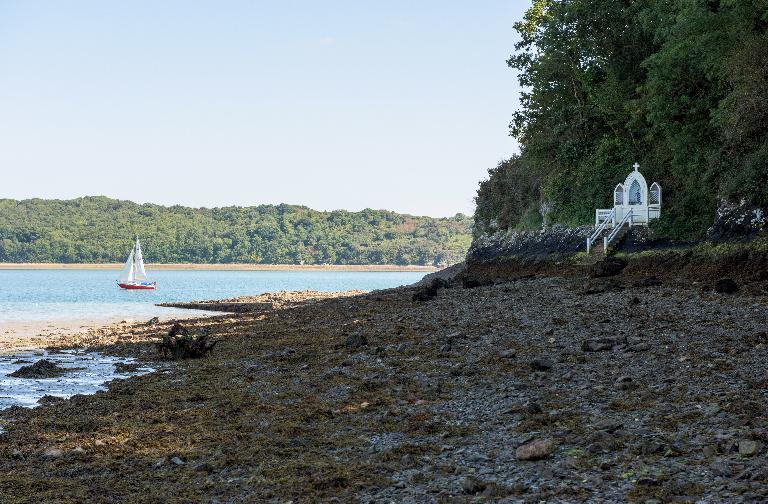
[[226, 267], [21, 335], [370, 384]]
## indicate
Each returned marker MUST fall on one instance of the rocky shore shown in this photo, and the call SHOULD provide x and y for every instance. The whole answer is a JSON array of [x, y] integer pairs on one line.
[[542, 389]]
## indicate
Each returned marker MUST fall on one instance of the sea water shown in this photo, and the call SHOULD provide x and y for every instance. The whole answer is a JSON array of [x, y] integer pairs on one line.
[[61, 295], [87, 373]]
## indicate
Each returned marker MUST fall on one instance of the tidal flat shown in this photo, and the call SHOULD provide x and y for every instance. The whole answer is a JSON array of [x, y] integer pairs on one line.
[[533, 390]]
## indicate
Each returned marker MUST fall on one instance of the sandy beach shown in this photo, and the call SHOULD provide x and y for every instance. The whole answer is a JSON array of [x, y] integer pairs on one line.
[[35, 334], [622, 390]]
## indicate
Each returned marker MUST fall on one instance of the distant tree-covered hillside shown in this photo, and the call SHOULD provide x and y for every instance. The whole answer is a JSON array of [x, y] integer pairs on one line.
[[680, 86], [100, 229]]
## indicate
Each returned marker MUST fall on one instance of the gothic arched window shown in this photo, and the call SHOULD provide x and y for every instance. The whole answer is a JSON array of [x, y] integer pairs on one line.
[[618, 195], [655, 195], [635, 194]]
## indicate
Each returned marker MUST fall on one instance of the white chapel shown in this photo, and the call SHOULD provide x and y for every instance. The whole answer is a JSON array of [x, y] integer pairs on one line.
[[634, 204]]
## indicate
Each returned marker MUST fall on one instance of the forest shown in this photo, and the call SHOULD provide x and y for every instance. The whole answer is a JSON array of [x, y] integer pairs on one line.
[[100, 230], [680, 86]]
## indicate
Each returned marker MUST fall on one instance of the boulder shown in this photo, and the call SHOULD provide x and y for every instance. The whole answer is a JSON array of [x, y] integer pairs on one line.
[[726, 286], [40, 369], [608, 267], [535, 450]]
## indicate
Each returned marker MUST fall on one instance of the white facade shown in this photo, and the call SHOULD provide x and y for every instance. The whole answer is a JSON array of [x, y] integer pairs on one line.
[[634, 204]]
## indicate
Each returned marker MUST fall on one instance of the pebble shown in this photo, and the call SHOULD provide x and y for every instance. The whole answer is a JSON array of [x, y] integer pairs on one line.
[[541, 364], [52, 453], [535, 450], [177, 461], [472, 485], [747, 447]]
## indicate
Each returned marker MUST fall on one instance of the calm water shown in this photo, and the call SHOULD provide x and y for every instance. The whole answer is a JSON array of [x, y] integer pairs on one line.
[[91, 294], [90, 371]]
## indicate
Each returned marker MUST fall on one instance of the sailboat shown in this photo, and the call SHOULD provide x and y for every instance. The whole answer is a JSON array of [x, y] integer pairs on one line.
[[134, 276]]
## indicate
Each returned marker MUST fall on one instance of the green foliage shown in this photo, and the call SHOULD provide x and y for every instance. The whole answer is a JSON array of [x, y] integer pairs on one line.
[[679, 85], [99, 229]]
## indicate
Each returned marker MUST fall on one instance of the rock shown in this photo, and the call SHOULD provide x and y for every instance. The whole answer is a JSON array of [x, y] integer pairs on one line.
[[600, 285], [721, 469], [356, 340], [747, 447], [610, 266], [179, 343], [599, 344], [533, 408], [17, 454], [624, 382], [649, 281], [40, 369], [535, 450], [153, 321], [726, 286], [541, 364], [639, 347], [472, 486], [52, 453], [507, 354], [49, 399], [126, 367], [429, 291], [204, 467], [602, 442], [77, 452], [177, 461]]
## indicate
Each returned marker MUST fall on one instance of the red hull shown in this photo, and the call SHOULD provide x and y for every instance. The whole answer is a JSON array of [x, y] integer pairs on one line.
[[137, 287]]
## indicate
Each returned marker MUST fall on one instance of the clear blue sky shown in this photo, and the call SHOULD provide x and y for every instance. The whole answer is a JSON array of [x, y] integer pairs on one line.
[[401, 105]]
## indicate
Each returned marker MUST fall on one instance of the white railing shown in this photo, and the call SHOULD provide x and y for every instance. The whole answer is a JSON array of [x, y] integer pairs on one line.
[[603, 214], [610, 217], [628, 217]]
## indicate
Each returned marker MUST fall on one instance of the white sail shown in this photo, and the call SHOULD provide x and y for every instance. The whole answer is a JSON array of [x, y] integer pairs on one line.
[[127, 274], [140, 274]]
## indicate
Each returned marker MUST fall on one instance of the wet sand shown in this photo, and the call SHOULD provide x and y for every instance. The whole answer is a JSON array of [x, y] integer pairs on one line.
[[18, 335]]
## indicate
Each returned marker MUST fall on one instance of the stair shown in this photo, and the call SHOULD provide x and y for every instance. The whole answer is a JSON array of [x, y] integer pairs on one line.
[[619, 237]]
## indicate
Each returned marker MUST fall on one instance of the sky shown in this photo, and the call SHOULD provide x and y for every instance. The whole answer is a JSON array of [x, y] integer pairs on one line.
[[398, 105]]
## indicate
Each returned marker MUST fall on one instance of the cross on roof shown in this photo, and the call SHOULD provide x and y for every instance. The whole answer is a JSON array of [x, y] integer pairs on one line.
[[636, 166]]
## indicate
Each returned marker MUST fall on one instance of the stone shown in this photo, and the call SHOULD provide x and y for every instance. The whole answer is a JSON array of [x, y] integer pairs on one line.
[[726, 286], [40, 369], [533, 408], [748, 447], [535, 450], [610, 266], [721, 469], [599, 344], [472, 486], [356, 340], [624, 382], [541, 364], [649, 281], [429, 291], [153, 321], [177, 461], [507, 354], [52, 453]]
